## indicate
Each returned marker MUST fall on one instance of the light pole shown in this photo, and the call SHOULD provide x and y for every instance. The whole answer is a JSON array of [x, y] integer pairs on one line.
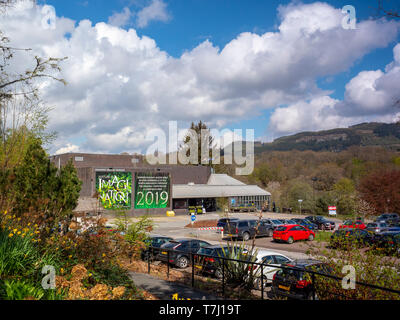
[[313, 192], [300, 201]]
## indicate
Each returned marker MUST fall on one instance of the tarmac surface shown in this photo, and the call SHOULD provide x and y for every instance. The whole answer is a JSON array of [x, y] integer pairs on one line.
[[167, 290]]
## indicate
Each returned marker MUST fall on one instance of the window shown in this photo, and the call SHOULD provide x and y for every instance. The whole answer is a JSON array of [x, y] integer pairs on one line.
[[203, 244], [281, 260], [268, 260]]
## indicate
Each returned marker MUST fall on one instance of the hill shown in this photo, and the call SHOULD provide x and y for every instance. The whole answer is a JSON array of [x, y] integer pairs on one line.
[[336, 140]]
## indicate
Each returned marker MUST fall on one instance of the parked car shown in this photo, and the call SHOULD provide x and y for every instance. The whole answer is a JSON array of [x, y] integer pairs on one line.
[[377, 227], [305, 223], [288, 221], [351, 237], [212, 263], [274, 222], [388, 242], [389, 218], [154, 241], [224, 221], [269, 259], [291, 233], [322, 222], [296, 284], [180, 251], [246, 229], [353, 224]]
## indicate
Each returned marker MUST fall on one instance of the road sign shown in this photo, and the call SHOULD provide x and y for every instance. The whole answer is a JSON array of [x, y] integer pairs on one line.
[[332, 210], [193, 217]]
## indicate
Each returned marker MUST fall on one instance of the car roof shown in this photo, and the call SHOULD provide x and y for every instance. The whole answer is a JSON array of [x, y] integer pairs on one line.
[[159, 236], [183, 239], [263, 253], [305, 262], [216, 246]]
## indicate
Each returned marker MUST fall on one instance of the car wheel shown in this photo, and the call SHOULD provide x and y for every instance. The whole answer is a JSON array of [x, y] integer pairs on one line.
[[183, 262], [311, 237], [258, 283], [290, 240], [246, 236], [218, 274]]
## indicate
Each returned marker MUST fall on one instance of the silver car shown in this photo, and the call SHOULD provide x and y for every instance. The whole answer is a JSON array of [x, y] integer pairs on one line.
[[377, 227]]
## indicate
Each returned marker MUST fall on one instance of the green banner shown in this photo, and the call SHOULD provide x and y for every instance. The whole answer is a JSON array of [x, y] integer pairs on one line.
[[152, 190], [115, 189]]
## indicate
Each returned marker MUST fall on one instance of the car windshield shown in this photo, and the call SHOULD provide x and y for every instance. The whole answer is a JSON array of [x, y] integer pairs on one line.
[[372, 225], [160, 240], [207, 251], [281, 228], [277, 221]]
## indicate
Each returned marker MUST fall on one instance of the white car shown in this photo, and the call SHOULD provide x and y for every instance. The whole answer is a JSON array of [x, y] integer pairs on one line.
[[270, 258]]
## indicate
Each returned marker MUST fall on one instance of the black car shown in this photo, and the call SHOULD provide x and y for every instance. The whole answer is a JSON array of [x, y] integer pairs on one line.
[[212, 263], [178, 252], [351, 237], [246, 229], [389, 218], [224, 221], [388, 242], [306, 223], [296, 283], [322, 222], [155, 242]]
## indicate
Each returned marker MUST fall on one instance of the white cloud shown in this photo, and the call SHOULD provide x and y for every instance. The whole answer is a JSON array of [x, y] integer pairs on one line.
[[120, 85], [156, 11], [69, 148], [369, 96], [121, 19]]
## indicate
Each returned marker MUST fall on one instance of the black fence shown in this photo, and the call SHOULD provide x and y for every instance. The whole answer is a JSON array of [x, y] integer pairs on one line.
[[154, 253]]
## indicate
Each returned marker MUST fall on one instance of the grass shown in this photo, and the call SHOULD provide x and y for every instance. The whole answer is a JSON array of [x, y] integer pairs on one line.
[[322, 236]]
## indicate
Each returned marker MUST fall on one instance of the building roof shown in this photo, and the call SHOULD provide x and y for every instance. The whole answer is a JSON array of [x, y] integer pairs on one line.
[[185, 191], [223, 180]]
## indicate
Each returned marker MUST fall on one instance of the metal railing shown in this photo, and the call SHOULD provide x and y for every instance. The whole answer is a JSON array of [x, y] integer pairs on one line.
[[151, 256]]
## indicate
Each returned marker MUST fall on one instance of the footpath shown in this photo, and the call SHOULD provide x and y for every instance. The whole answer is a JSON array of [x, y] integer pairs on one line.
[[166, 290]]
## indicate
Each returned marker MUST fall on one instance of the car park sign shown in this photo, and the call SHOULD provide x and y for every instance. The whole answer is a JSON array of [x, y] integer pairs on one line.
[[332, 210]]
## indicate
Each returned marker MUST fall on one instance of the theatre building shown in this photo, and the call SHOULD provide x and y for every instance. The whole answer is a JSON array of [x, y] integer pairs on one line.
[[126, 182]]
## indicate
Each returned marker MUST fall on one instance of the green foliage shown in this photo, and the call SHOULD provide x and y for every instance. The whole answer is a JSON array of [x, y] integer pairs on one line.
[[20, 290], [35, 186], [135, 233], [369, 267], [240, 274], [296, 190]]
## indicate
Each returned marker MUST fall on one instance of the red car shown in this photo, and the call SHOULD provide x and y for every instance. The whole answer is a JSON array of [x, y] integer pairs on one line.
[[353, 224], [293, 232]]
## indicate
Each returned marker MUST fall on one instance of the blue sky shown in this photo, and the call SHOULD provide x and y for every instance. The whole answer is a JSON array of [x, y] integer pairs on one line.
[[180, 27]]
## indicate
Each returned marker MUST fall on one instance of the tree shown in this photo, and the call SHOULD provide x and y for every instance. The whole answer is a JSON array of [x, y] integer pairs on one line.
[[200, 134], [36, 190], [385, 11], [297, 190], [344, 192], [381, 190], [20, 103]]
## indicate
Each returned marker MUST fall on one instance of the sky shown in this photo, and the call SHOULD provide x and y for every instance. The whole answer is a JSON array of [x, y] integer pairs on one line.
[[278, 67]]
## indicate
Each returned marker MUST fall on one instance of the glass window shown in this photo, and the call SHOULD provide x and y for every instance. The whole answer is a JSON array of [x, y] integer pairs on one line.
[[281, 259], [268, 260]]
